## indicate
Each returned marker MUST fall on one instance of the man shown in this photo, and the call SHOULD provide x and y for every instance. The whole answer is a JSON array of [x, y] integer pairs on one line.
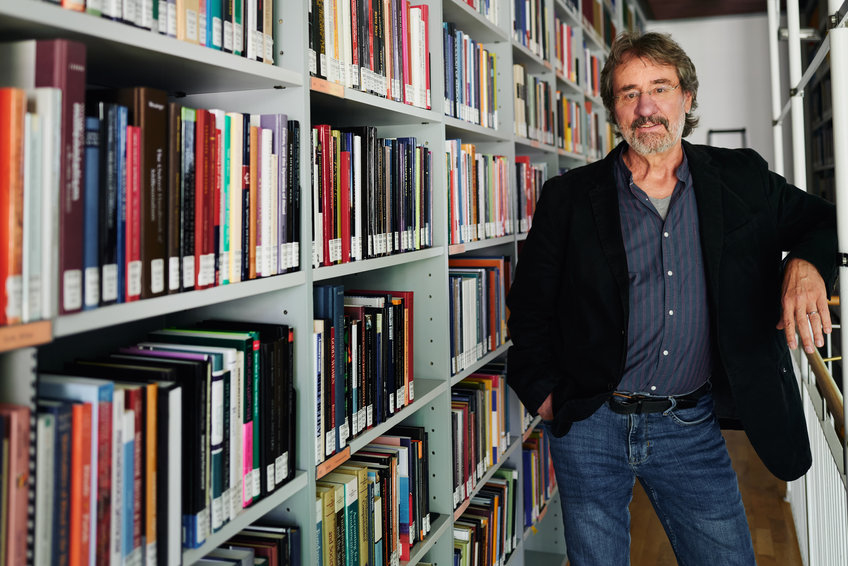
[[650, 300]]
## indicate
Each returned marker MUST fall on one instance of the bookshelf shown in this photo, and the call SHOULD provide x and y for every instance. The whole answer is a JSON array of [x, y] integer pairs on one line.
[[121, 55]]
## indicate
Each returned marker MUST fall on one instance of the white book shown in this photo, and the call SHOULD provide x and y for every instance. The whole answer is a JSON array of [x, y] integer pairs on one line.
[[332, 71], [236, 147], [48, 102], [263, 228], [345, 49], [273, 247], [250, 29], [174, 485], [31, 300], [44, 488]]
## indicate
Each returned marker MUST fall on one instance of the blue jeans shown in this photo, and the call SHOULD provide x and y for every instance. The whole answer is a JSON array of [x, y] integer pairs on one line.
[[680, 459]]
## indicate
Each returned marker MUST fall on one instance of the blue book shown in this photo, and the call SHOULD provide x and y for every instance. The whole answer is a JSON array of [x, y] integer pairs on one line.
[[91, 222], [60, 528], [121, 164], [127, 484], [112, 116]]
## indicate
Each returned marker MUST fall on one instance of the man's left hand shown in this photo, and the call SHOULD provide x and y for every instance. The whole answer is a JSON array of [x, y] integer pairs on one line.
[[804, 302]]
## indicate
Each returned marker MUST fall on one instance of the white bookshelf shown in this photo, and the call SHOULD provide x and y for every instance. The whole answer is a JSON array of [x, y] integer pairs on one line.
[[121, 55]]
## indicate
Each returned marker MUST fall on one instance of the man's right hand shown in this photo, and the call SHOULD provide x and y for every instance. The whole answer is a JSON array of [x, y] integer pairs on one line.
[[546, 410]]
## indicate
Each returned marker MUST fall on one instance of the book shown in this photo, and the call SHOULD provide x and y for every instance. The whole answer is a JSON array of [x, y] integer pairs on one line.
[[12, 151], [91, 217], [16, 463], [59, 63], [132, 215], [148, 110], [99, 395]]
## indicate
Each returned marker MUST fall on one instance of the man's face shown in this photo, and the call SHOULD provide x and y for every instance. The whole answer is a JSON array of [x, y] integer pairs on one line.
[[650, 109]]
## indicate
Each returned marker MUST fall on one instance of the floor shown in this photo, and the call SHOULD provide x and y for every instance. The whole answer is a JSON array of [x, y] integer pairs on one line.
[[769, 516]]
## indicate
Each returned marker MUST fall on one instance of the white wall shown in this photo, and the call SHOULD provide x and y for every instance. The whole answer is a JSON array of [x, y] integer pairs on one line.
[[731, 57]]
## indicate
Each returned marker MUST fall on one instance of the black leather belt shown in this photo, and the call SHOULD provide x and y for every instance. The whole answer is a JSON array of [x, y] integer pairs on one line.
[[637, 404]]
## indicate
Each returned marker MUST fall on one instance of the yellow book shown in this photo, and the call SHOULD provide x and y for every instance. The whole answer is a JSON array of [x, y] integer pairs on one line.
[[361, 473], [328, 497]]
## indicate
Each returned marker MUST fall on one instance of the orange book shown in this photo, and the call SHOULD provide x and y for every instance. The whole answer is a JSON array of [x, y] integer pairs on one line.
[[76, 5], [80, 484], [17, 438], [12, 115]]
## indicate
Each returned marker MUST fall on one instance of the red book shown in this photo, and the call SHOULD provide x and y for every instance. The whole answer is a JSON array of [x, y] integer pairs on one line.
[[17, 438], [202, 196], [133, 215], [354, 43], [134, 401], [80, 484], [344, 203], [104, 480], [211, 195], [12, 113], [216, 212], [326, 183]]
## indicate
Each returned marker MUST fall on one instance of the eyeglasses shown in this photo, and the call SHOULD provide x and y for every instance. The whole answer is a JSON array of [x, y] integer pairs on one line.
[[658, 93]]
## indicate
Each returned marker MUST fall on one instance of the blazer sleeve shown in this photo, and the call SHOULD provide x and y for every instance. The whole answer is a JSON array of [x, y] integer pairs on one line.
[[533, 360], [806, 225]]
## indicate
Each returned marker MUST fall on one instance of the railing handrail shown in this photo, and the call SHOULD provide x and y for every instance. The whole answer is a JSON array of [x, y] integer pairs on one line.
[[829, 391]]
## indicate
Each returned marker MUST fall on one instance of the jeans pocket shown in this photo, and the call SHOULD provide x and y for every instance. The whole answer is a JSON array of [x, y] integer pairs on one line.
[[699, 414]]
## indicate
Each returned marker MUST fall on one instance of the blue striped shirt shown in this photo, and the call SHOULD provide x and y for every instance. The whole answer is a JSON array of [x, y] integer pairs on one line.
[[668, 332]]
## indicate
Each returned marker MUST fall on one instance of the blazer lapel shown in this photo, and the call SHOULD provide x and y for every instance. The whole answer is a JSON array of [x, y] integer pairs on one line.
[[604, 201], [708, 193]]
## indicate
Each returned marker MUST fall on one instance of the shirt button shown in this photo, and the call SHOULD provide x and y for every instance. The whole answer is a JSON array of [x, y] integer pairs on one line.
[[653, 387], [665, 352], [665, 234], [670, 273], [670, 313]]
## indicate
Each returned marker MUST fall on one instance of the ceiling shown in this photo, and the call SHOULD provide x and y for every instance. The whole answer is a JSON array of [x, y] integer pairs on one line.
[[679, 9]]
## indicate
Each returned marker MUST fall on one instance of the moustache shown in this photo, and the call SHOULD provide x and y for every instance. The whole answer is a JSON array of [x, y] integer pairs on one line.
[[642, 120]]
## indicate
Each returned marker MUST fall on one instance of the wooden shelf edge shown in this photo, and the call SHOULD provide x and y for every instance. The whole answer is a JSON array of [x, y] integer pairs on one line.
[[24, 335], [328, 466]]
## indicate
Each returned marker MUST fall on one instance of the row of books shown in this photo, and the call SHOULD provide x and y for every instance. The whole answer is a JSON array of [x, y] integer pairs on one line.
[[485, 533], [489, 9], [478, 194], [529, 179], [572, 122], [139, 198], [242, 27], [470, 78], [363, 347], [15, 480], [538, 475], [480, 427], [371, 196], [564, 57], [376, 46], [598, 15], [592, 65], [157, 445], [534, 106], [530, 26], [477, 290], [261, 544], [373, 508]]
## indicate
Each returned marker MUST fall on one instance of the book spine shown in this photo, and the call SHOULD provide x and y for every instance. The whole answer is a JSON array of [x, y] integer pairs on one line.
[[132, 240], [91, 264], [12, 139]]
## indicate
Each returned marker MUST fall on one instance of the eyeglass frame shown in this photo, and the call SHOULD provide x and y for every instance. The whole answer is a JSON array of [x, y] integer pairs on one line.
[[620, 98]]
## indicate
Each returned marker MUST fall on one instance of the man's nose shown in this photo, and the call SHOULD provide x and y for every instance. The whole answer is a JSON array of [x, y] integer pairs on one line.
[[645, 105]]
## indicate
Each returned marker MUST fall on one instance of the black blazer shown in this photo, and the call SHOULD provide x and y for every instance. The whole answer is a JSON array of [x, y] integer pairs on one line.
[[569, 299]]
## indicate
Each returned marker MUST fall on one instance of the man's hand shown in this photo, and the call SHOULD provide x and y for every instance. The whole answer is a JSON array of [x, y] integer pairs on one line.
[[804, 299], [546, 410]]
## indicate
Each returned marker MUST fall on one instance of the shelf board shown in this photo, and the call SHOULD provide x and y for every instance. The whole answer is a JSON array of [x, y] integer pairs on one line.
[[494, 354], [535, 145], [472, 22], [246, 517], [530, 60], [571, 155], [571, 85], [425, 391], [591, 36], [138, 310], [119, 54], [341, 103], [24, 335], [438, 527], [456, 128], [536, 420], [570, 12], [343, 269], [456, 249], [486, 477]]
